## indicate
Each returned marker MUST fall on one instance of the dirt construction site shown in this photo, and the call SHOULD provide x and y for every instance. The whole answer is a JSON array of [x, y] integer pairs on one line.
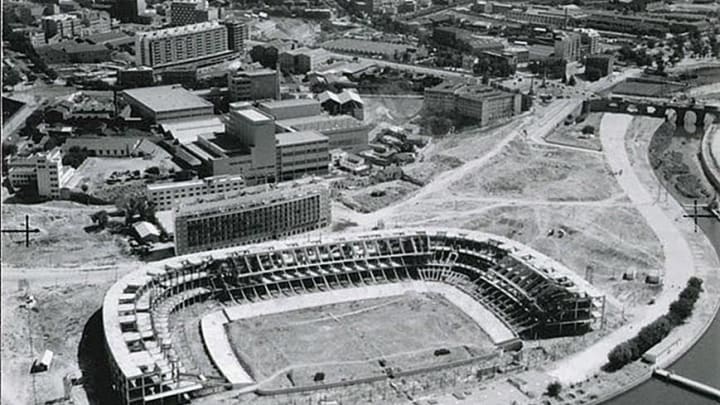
[[400, 332]]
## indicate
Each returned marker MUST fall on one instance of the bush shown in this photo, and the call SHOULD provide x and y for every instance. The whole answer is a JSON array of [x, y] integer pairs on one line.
[[554, 388], [588, 129]]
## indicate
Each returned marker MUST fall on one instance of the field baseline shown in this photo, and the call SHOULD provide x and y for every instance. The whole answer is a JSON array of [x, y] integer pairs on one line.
[[218, 343]]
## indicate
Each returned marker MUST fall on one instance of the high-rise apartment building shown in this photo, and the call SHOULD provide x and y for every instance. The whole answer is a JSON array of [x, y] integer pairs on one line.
[[186, 12], [567, 46], [259, 213], [181, 44], [64, 25], [238, 33]]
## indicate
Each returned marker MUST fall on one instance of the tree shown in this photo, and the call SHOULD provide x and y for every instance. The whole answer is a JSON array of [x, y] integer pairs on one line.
[[620, 355], [572, 81], [101, 218], [554, 388], [588, 129], [681, 309]]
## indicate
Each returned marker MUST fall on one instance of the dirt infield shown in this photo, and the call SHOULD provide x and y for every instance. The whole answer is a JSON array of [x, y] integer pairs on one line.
[[351, 340]]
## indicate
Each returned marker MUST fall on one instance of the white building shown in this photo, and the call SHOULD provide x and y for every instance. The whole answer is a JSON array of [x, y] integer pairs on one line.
[[181, 44], [166, 196], [44, 169]]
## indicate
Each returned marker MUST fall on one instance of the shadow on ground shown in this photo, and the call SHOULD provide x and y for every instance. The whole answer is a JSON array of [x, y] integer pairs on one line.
[[92, 359]]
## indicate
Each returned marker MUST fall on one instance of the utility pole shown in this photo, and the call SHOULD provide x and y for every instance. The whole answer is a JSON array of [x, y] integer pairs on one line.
[[27, 231]]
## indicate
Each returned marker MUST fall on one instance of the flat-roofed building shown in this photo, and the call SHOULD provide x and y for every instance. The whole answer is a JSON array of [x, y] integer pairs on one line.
[[238, 33], [254, 85], [169, 195], [301, 154], [567, 46], [166, 102], [181, 44], [256, 131], [43, 170], [481, 102], [343, 131], [292, 108], [257, 214], [303, 60], [64, 25]]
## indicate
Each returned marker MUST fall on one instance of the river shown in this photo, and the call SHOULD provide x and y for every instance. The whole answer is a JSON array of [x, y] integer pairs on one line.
[[701, 362]]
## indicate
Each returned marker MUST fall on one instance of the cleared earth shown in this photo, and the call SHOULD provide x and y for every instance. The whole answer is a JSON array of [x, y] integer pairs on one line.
[[355, 340]]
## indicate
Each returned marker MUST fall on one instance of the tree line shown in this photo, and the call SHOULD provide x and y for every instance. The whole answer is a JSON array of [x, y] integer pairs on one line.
[[680, 310]]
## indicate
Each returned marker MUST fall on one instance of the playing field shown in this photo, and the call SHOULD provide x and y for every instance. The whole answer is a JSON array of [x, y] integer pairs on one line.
[[356, 339]]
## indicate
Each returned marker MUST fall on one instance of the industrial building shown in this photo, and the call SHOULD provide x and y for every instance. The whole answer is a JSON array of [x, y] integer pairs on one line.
[[301, 154], [343, 131], [169, 195], [166, 102], [254, 85], [484, 103], [346, 102], [42, 169], [259, 213], [291, 108], [181, 44], [142, 76]]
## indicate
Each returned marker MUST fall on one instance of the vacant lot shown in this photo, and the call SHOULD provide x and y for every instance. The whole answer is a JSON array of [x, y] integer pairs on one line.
[[577, 135], [540, 172], [381, 195], [62, 241], [353, 340]]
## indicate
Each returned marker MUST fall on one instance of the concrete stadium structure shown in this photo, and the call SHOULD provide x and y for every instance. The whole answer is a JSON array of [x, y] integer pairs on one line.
[[521, 294]]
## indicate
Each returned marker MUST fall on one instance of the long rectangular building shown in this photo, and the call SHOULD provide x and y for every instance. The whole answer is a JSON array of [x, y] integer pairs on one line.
[[181, 44], [168, 195], [258, 214]]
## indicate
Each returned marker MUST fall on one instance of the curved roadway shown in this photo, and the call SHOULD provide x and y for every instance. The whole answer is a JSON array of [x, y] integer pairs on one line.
[[682, 259]]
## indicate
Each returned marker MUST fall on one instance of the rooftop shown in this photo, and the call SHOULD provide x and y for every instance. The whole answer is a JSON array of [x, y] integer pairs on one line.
[[188, 129], [252, 114], [322, 122], [341, 98], [167, 98], [181, 30], [297, 102], [300, 137]]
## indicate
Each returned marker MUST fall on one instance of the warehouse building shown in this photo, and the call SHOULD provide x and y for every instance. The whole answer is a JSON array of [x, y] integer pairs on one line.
[[259, 213], [166, 102]]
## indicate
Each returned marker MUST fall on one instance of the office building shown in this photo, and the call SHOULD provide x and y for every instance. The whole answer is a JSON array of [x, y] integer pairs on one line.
[[254, 85], [181, 44], [166, 102], [186, 12], [128, 11], [291, 108], [43, 170], [301, 154], [238, 33], [166, 196], [589, 41], [303, 60], [567, 46], [63, 25], [260, 213], [484, 103]]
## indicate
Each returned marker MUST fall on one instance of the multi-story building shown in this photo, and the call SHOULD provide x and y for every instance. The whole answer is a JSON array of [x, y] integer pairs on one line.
[[343, 131], [63, 25], [589, 41], [597, 66], [301, 154], [484, 103], [181, 44], [238, 33], [303, 60], [93, 22], [260, 213], [166, 102], [254, 85], [169, 195], [291, 108], [128, 10], [185, 12], [44, 169], [642, 24], [142, 76], [567, 46]]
